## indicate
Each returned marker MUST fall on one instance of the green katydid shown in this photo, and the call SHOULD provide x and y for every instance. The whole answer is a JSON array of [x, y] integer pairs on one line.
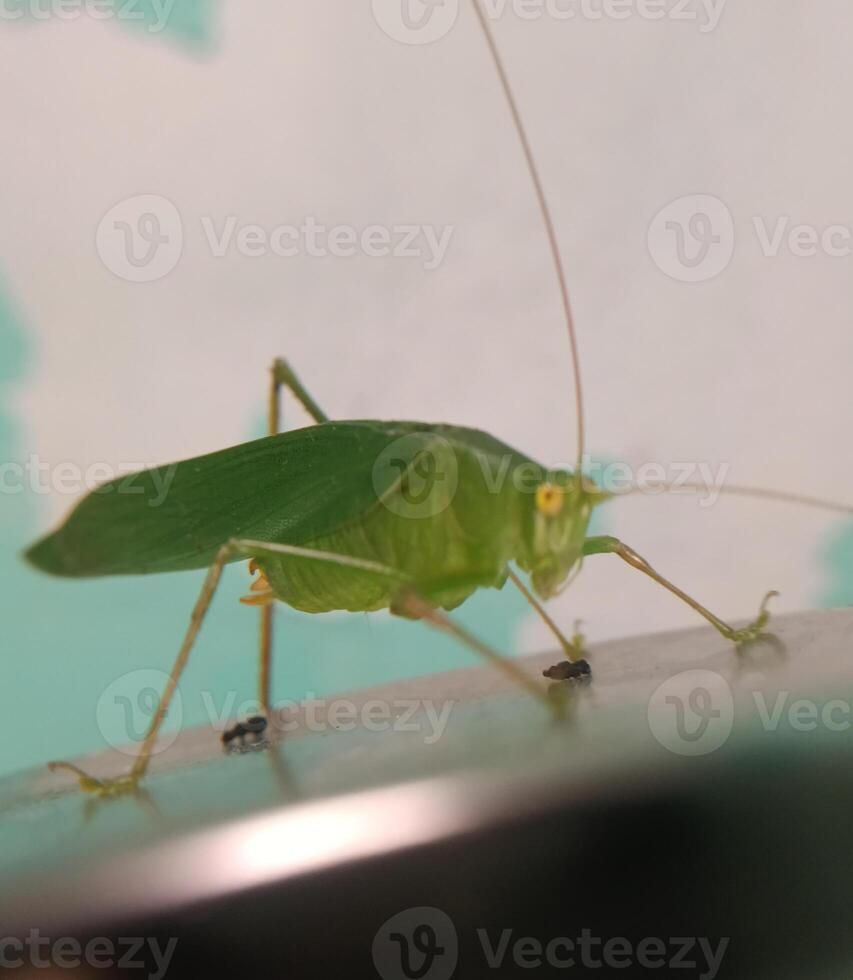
[[360, 516]]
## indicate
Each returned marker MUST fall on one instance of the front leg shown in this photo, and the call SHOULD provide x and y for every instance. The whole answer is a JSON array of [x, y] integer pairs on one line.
[[606, 545]]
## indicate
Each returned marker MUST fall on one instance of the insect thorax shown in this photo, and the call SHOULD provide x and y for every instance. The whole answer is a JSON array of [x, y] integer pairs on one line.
[[451, 511]]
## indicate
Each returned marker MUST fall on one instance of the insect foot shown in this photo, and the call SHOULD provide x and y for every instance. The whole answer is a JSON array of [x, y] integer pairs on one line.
[[99, 787], [749, 634], [247, 736], [579, 644], [561, 700]]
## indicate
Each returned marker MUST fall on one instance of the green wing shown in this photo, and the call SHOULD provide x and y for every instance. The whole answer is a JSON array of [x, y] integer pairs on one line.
[[289, 488], [177, 517]]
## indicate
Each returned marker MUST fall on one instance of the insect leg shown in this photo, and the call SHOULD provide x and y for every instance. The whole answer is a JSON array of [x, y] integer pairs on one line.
[[234, 548], [265, 671], [606, 545], [128, 783], [415, 606], [570, 649], [412, 604], [281, 376]]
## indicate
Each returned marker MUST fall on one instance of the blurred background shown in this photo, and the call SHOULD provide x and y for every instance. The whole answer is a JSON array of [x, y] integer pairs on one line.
[[168, 167]]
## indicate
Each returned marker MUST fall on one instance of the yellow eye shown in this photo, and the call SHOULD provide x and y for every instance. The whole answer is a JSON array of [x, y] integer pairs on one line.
[[549, 499]]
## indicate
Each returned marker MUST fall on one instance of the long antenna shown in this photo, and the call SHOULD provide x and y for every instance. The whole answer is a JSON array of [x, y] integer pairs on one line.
[[549, 226], [741, 490]]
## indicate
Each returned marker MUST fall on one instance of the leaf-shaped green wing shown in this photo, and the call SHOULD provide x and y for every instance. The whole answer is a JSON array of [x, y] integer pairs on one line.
[[290, 488], [281, 488]]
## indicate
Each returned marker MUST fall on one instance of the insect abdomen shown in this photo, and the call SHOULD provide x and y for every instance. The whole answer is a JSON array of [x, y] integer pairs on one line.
[[446, 524]]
